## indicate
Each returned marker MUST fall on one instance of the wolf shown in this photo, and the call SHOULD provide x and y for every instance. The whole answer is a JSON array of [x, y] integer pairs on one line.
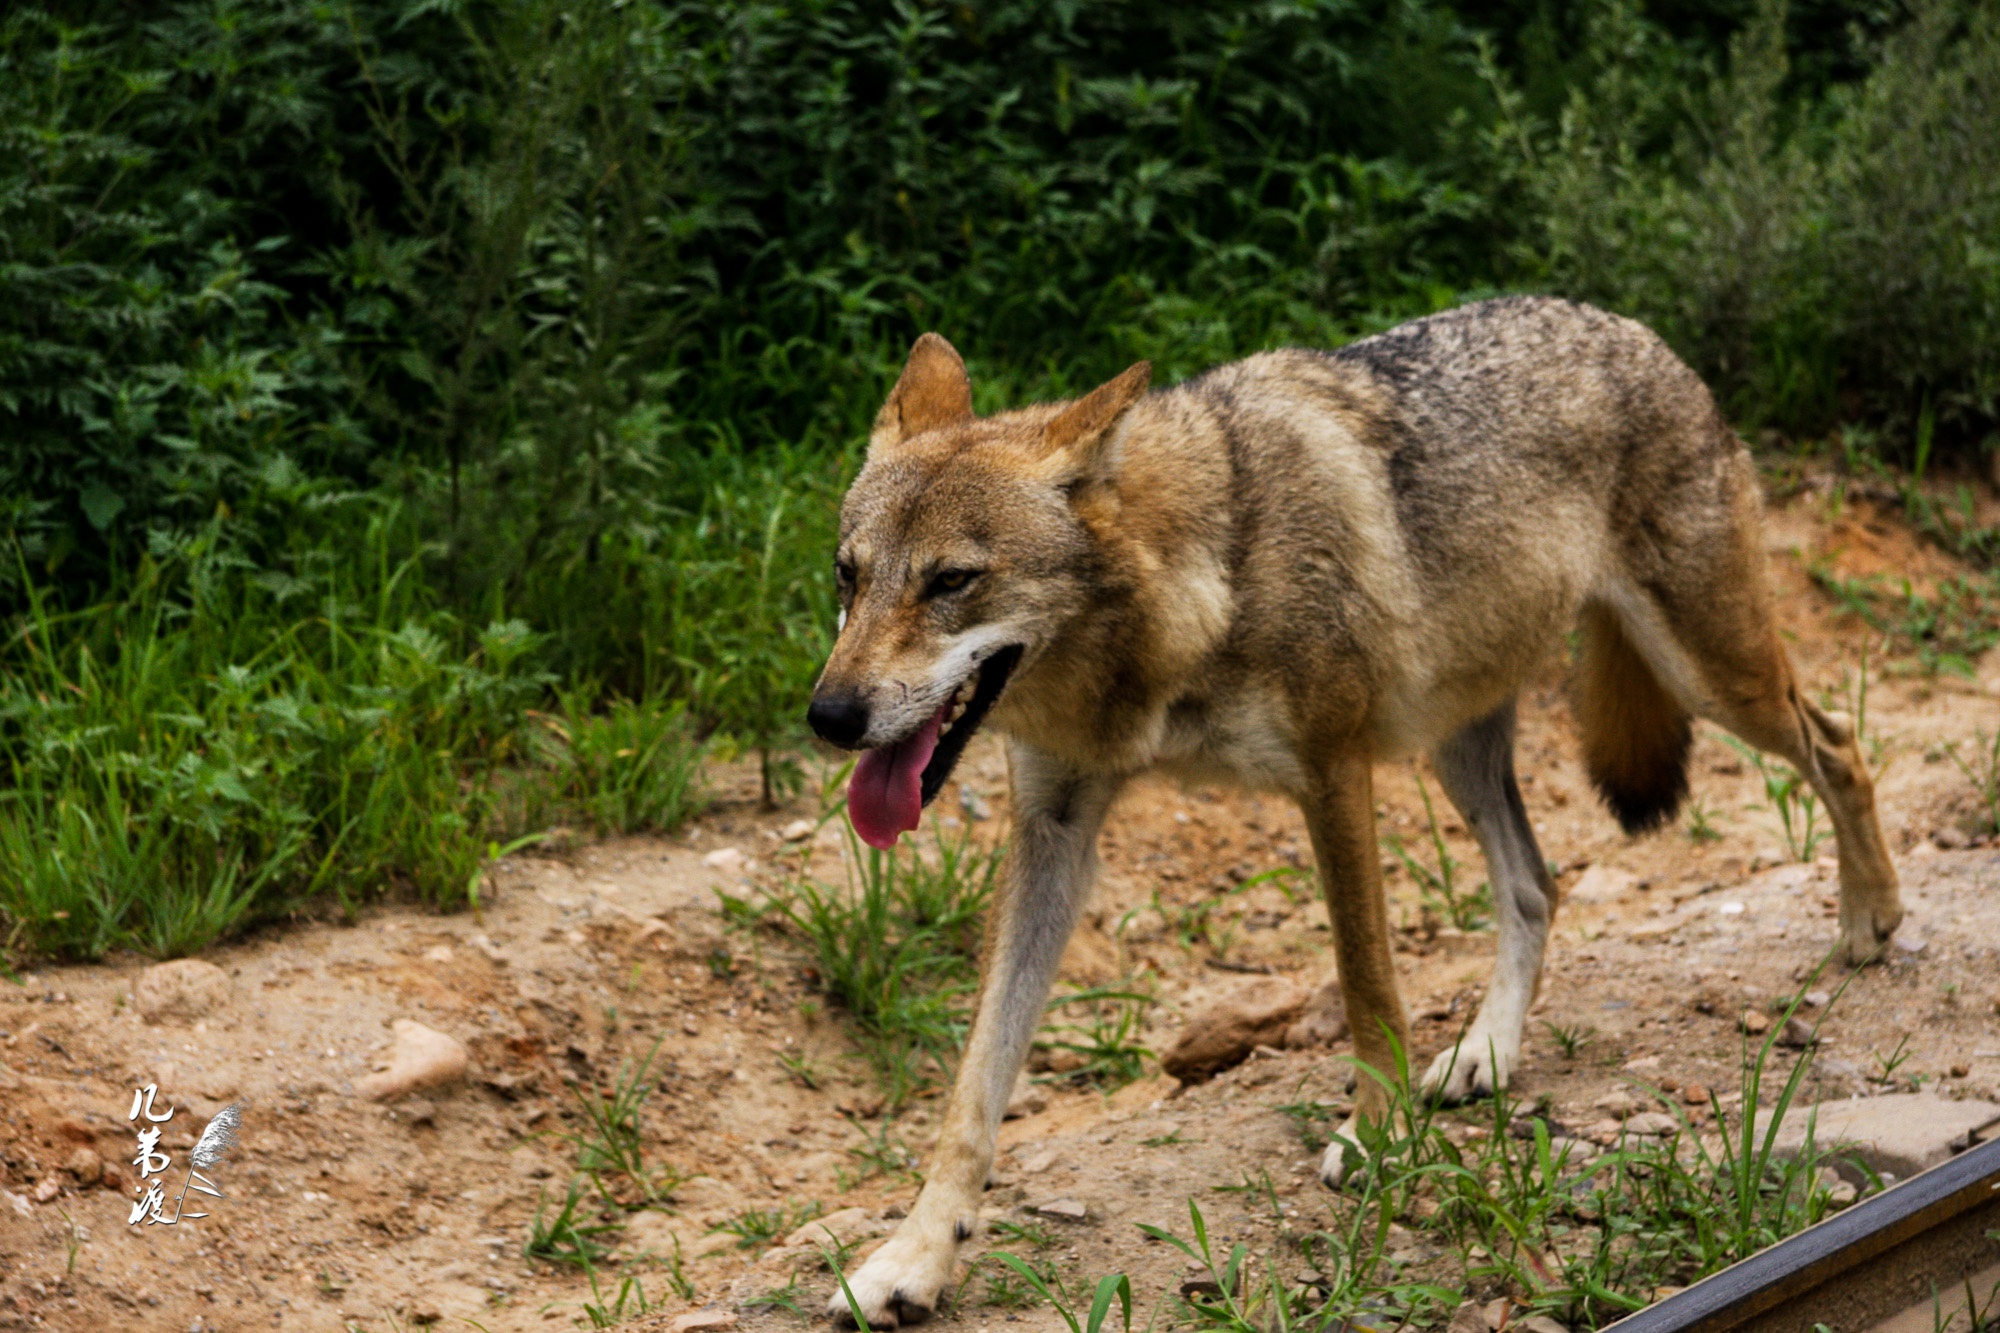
[[1279, 574]]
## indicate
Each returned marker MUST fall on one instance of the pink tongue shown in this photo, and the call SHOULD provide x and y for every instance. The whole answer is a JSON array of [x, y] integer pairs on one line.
[[885, 796]]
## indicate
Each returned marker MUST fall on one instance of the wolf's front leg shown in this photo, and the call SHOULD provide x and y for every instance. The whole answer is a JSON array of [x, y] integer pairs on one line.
[[1340, 816], [1049, 869], [1477, 768]]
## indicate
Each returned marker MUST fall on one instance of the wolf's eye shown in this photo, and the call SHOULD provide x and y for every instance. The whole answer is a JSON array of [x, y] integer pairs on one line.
[[950, 580], [843, 573]]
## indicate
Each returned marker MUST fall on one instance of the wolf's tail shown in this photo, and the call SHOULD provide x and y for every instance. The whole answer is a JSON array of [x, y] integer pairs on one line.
[[1635, 737]]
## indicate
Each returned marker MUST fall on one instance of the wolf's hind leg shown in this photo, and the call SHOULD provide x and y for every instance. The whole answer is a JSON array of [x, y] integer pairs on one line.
[[1721, 643], [1476, 767], [1771, 712], [1045, 880]]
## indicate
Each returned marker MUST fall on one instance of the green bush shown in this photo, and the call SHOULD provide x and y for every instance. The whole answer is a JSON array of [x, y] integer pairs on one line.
[[1832, 261], [458, 313]]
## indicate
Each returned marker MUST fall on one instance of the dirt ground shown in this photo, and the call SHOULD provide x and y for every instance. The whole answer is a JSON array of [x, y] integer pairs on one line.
[[343, 1213]]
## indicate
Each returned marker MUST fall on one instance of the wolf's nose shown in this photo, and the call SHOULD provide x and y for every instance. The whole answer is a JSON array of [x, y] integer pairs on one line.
[[842, 720]]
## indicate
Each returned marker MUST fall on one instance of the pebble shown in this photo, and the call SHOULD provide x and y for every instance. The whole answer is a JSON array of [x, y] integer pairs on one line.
[[723, 858], [1652, 1124], [1755, 1022], [796, 831], [1223, 1032], [1798, 1034], [837, 1228], [422, 1058], [1601, 884], [48, 1189], [1028, 1098], [702, 1321], [86, 1166], [1069, 1209]]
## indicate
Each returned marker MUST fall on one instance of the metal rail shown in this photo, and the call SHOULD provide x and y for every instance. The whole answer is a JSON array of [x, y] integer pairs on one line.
[[1935, 1220]]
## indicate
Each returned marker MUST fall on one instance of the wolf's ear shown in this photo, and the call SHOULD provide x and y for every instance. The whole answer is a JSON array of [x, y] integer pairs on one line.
[[1078, 430], [932, 392]]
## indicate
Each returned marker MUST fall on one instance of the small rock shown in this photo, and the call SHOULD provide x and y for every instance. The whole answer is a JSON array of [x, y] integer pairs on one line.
[[1062, 1060], [1071, 1210], [796, 831], [1223, 1032], [1815, 999], [17, 1202], [1694, 1094], [1948, 838], [841, 1227], [438, 953], [420, 1112], [186, 988], [1028, 1098], [1600, 884], [1496, 1312], [1323, 1021], [1040, 1162], [973, 804], [48, 1189], [488, 950], [1652, 1124], [1755, 1022], [1619, 1104], [702, 1321], [1900, 1133], [423, 1058], [1469, 1317], [86, 1166], [723, 858], [1798, 1034], [1909, 944], [1541, 1323]]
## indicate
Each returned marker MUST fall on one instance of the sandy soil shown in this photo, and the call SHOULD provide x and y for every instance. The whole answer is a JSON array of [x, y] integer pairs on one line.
[[342, 1213]]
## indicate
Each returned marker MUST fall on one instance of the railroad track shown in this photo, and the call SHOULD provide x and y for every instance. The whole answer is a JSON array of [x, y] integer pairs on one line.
[[1874, 1268]]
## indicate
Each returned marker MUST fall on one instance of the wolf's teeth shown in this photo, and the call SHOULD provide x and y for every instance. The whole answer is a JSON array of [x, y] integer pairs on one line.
[[957, 713], [965, 691], [945, 730]]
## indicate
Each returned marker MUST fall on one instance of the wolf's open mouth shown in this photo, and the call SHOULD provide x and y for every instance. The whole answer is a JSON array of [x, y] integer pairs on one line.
[[893, 783]]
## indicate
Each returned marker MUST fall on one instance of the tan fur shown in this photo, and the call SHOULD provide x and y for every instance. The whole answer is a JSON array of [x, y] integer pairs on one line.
[[1283, 572], [1635, 737]]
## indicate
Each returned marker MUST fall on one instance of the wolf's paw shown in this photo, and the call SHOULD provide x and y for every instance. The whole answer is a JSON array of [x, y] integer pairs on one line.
[[1477, 1067], [1343, 1154], [1865, 931], [901, 1283]]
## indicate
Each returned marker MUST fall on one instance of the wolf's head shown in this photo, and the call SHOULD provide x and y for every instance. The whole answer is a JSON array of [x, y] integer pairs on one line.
[[962, 555]]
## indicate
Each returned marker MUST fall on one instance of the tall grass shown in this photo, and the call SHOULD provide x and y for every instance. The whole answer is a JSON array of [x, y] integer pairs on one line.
[[213, 747]]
